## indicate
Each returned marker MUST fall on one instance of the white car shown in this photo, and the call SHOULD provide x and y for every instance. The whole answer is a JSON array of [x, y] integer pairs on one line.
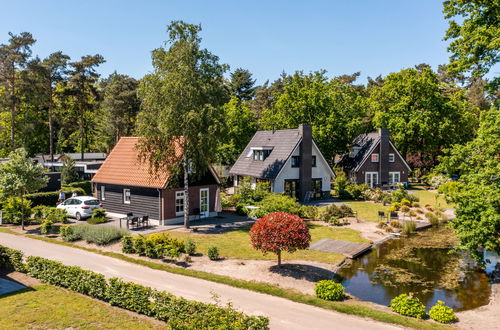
[[80, 207]]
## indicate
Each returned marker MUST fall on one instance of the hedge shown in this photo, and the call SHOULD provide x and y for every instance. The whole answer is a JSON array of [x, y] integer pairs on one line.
[[85, 185], [178, 313], [50, 198]]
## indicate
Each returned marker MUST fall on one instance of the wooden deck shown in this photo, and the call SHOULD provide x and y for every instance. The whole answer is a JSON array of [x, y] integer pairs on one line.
[[348, 249]]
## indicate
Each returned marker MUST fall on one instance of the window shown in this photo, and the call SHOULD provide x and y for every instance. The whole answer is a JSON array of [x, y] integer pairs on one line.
[[316, 188], [126, 196], [92, 202], [374, 158], [313, 161], [391, 158], [394, 177], [179, 202], [103, 193], [291, 188], [261, 154], [295, 161]]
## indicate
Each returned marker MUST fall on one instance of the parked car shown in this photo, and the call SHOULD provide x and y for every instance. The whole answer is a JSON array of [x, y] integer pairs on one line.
[[80, 207]]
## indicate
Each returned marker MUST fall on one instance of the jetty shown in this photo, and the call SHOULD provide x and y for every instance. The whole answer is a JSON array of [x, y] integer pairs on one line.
[[348, 249]]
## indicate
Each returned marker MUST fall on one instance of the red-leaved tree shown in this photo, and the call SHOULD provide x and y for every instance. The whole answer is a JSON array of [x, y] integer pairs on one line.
[[278, 232]]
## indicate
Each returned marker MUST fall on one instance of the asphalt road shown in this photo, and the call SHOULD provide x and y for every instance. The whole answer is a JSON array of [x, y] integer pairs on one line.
[[283, 313]]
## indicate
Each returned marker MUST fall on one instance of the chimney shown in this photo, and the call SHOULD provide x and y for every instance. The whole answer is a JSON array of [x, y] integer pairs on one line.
[[305, 169], [384, 155]]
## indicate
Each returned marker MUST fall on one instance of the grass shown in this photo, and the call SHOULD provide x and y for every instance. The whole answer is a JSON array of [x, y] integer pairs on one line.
[[367, 210], [428, 197], [236, 244], [48, 307], [352, 308]]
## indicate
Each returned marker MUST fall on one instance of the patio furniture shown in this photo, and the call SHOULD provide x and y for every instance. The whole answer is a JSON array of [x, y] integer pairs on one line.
[[145, 221], [394, 215], [381, 215]]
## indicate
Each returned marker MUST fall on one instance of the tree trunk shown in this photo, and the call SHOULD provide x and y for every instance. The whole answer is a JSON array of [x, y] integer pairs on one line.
[[279, 258], [51, 130], [13, 110], [186, 190], [22, 211], [82, 137]]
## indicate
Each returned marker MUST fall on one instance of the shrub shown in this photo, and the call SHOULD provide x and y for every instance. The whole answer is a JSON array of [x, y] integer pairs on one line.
[[389, 229], [433, 219], [404, 209], [442, 313], [415, 204], [356, 191], [381, 224], [190, 247], [332, 213], [96, 220], [376, 195], [46, 227], [419, 211], [310, 212], [99, 235], [408, 306], [437, 180], [278, 232], [11, 259], [140, 245], [128, 244], [443, 218], [42, 212], [405, 202], [71, 277], [412, 213], [409, 227], [68, 233], [14, 208], [277, 203], [429, 208], [50, 198], [152, 250], [86, 186], [131, 296], [395, 206], [340, 186], [241, 210], [329, 290], [396, 224], [401, 193], [213, 253]]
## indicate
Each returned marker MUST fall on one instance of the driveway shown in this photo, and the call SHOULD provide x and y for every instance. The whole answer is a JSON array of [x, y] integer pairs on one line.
[[283, 313]]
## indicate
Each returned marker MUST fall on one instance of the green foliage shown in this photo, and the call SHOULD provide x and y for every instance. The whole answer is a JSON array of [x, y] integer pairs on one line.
[[355, 191], [376, 195], [405, 202], [42, 212], [131, 296], [140, 245], [86, 186], [409, 227], [98, 216], [100, 235], [423, 114], [213, 253], [128, 244], [442, 313], [190, 247], [476, 196], [331, 214], [401, 194], [433, 219], [340, 186], [310, 212], [70, 277], [415, 204], [277, 203], [50, 198], [15, 209], [68, 171], [329, 290], [404, 209], [408, 306], [46, 227], [11, 259]]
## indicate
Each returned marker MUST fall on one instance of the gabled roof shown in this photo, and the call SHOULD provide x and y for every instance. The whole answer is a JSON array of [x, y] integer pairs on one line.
[[123, 167], [367, 143], [282, 142]]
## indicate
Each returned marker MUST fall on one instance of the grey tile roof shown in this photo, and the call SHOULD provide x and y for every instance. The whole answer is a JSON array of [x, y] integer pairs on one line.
[[283, 143], [367, 142]]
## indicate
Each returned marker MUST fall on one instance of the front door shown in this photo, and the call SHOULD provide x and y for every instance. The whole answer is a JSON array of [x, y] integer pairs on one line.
[[204, 208], [371, 179]]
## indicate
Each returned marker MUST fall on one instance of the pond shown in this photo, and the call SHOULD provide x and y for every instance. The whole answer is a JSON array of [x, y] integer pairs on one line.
[[424, 264]]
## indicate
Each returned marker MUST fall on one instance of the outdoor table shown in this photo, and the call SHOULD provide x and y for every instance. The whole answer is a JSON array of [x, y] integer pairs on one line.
[[128, 219]]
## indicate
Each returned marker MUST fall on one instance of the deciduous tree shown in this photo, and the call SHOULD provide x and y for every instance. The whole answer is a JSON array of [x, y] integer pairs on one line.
[[278, 232]]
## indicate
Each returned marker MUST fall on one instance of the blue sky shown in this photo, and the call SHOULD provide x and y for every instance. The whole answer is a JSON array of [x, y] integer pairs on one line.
[[265, 37]]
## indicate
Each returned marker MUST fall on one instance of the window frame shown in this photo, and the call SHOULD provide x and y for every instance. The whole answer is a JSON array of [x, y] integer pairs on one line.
[[179, 195], [314, 161], [103, 192], [295, 162], [393, 157], [375, 158], [317, 192], [391, 178], [125, 195]]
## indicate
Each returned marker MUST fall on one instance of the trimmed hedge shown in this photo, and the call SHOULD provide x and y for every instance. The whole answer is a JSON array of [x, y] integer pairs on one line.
[[11, 259], [85, 185], [178, 313], [329, 290], [407, 305], [50, 198]]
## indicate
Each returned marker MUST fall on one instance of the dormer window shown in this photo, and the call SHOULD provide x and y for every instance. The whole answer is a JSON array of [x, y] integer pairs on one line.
[[261, 153], [374, 158], [391, 158]]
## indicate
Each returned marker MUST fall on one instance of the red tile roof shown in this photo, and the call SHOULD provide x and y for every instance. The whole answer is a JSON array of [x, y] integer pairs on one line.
[[123, 167]]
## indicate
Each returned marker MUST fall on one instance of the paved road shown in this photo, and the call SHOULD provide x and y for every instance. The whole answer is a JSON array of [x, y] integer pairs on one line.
[[283, 313]]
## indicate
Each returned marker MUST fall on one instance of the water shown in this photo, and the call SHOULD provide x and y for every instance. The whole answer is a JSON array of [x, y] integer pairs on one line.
[[423, 264]]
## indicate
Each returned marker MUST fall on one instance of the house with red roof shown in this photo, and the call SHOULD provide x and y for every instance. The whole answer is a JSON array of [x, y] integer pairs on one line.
[[125, 184]]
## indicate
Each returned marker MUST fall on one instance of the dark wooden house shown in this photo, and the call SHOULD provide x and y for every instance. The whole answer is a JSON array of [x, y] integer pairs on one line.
[[374, 160], [124, 184]]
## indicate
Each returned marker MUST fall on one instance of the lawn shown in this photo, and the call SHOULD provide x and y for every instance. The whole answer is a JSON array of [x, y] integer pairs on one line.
[[428, 197], [48, 307], [236, 244]]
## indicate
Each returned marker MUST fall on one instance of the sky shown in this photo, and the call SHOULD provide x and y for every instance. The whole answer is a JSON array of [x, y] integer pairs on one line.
[[265, 37]]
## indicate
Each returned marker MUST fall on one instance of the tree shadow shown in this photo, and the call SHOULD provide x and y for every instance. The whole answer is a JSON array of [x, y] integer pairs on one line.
[[302, 272], [21, 287]]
